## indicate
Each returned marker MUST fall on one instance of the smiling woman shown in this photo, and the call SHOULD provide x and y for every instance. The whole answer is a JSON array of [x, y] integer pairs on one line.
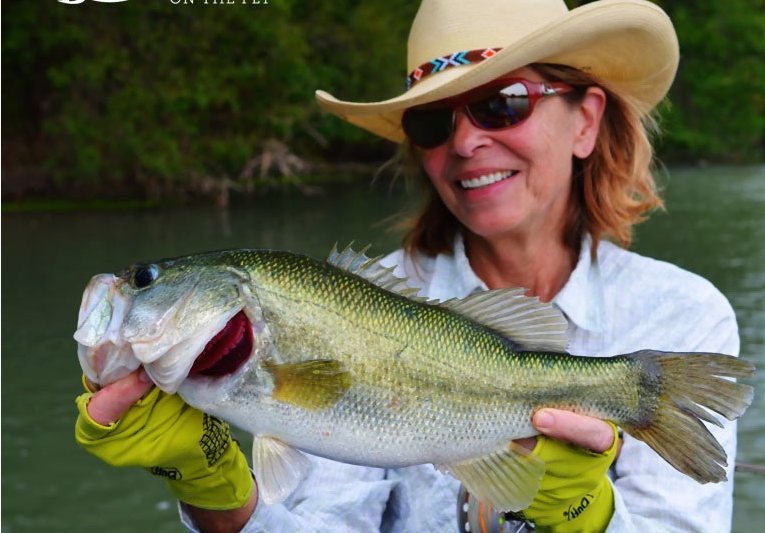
[[535, 156], [605, 178]]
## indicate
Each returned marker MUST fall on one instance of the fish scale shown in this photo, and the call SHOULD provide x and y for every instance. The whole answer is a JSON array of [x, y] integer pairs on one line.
[[348, 364]]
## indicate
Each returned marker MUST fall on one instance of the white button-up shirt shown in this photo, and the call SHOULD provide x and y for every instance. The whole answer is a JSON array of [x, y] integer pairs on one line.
[[619, 304]]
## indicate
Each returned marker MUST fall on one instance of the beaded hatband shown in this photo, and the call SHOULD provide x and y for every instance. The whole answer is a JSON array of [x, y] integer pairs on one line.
[[457, 59]]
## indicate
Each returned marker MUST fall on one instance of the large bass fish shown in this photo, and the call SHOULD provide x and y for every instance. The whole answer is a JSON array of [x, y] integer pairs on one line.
[[340, 359]]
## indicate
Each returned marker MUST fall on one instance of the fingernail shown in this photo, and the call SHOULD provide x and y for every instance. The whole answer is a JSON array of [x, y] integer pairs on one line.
[[143, 376], [544, 420]]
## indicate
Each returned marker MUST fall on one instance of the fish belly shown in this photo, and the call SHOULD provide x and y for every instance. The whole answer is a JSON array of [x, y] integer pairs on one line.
[[381, 430]]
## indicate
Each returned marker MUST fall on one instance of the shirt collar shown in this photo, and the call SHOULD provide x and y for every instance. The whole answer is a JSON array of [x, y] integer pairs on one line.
[[581, 298], [453, 275]]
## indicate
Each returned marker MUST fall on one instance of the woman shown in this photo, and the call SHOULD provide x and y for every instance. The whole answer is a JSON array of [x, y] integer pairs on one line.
[[526, 119]]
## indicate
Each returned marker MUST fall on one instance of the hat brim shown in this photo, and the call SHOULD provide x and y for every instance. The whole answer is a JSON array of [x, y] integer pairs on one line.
[[629, 45]]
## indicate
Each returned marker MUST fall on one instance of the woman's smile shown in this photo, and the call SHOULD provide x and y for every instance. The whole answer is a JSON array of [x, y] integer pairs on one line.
[[485, 180], [483, 185]]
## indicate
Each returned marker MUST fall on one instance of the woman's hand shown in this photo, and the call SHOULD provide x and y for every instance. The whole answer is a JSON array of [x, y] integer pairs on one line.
[[587, 432], [575, 494], [109, 404], [131, 423]]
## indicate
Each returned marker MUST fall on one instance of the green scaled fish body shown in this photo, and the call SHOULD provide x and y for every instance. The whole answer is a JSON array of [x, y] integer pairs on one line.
[[427, 371], [339, 359]]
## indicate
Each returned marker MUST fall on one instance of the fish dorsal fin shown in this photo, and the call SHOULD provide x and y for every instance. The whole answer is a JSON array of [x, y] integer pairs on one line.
[[370, 269], [507, 479], [526, 320], [532, 324], [351, 260]]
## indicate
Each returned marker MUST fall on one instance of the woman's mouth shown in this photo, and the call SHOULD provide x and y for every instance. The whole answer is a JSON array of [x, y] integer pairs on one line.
[[228, 350], [486, 179]]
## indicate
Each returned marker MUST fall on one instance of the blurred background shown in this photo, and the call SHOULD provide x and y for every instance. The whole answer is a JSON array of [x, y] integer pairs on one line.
[[151, 100], [144, 129]]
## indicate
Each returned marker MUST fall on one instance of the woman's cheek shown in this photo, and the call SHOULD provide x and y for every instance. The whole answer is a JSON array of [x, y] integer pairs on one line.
[[433, 161]]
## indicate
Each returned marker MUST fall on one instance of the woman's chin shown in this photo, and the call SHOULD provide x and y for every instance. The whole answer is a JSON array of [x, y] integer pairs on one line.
[[489, 225]]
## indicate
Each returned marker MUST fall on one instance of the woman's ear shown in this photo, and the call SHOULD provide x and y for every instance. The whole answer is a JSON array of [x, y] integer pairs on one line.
[[590, 111]]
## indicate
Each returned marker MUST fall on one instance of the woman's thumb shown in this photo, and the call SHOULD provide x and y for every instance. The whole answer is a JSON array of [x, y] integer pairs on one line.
[[111, 402]]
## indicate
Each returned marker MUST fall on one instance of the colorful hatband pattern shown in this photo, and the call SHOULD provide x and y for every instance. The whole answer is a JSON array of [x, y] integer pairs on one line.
[[457, 59]]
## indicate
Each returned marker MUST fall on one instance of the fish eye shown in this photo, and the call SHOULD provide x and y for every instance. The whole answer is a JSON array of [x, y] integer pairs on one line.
[[145, 276]]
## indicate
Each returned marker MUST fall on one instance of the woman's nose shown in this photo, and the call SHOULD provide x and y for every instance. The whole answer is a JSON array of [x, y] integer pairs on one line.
[[467, 137]]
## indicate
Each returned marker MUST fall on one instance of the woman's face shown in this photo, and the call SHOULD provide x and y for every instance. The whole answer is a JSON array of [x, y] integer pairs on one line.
[[529, 165]]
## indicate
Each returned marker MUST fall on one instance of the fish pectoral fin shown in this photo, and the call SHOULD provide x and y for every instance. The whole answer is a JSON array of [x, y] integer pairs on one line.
[[507, 479], [312, 385], [279, 468]]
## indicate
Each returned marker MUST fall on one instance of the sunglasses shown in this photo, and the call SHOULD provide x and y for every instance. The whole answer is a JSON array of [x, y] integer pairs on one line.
[[504, 103]]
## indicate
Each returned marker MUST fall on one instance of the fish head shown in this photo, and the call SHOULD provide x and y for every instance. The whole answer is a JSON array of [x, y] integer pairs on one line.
[[173, 317]]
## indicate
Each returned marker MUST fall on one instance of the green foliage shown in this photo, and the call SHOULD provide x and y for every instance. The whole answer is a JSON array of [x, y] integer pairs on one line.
[[717, 111], [717, 102], [163, 98]]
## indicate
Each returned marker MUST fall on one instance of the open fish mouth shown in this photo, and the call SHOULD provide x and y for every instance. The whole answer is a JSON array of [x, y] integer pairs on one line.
[[227, 350]]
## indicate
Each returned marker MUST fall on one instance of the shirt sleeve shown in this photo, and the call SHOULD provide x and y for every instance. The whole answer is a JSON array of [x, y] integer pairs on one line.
[[649, 494], [335, 497]]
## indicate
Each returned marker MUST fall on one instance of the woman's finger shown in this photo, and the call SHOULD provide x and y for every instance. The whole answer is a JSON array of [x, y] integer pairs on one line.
[[587, 432], [111, 402]]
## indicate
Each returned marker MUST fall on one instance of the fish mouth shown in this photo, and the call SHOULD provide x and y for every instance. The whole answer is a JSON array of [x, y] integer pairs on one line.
[[227, 350]]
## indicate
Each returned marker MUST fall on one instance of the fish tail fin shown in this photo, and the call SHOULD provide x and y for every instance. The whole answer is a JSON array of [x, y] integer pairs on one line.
[[676, 391]]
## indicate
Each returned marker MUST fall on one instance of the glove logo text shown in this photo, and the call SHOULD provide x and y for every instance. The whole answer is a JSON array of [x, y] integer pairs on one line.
[[173, 474], [575, 511]]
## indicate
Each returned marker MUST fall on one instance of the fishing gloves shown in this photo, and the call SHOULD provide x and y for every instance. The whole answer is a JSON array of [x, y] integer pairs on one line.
[[192, 450], [575, 495]]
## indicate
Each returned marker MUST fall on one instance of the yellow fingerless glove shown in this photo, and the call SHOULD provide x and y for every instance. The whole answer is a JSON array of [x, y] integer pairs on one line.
[[192, 450], [575, 495]]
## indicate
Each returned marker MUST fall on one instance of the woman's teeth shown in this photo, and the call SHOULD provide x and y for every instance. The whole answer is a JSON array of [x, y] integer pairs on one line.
[[487, 179]]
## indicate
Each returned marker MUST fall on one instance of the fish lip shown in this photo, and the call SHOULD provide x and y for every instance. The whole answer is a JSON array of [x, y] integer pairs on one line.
[[230, 348], [104, 357]]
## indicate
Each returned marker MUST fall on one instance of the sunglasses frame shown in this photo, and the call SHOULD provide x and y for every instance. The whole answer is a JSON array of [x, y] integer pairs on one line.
[[536, 91]]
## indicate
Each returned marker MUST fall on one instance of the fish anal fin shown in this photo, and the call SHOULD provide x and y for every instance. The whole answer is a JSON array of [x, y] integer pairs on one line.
[[507, 479], [313, 385], [279, 468]]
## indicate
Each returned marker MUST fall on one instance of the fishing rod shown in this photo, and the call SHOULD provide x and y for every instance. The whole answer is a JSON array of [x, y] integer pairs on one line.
[[754, 469]]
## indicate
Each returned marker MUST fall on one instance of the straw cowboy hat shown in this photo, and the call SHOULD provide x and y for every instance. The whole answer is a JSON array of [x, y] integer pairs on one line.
[[457, 45]]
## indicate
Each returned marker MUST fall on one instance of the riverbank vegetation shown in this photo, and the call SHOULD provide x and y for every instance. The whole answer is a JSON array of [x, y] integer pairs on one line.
[[154, 100]]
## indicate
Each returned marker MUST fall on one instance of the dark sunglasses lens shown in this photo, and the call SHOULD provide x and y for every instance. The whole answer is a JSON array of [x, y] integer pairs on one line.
[[507, 107], [428, 128]]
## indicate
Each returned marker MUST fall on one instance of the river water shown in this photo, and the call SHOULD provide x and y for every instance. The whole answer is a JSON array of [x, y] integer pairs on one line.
[[715, 226]]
